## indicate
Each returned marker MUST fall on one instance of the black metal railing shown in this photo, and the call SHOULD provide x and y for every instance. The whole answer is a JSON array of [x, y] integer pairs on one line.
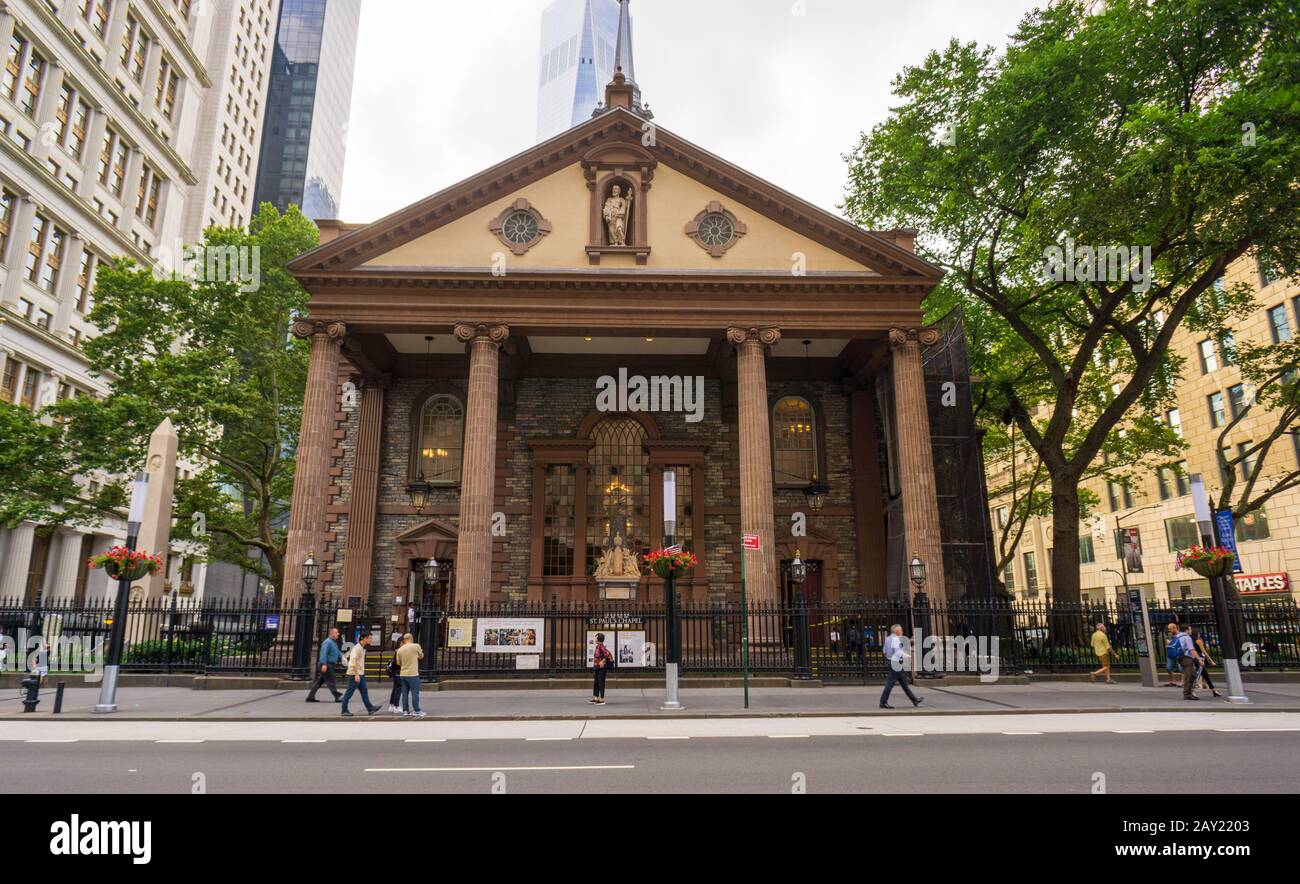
[[840, 641]]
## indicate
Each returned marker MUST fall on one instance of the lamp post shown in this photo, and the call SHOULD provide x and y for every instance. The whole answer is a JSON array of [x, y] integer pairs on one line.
[[917, 571], [1227, 634], [802, 655], [113, 663], [305, 632], [672, 637], [419, 491]]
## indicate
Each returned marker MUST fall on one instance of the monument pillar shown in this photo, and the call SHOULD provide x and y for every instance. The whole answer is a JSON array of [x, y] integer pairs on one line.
[[478, 468], [156, 528], [756, 507]]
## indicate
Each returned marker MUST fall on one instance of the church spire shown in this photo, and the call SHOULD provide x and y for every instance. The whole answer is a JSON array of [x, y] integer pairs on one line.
[[623, 91]]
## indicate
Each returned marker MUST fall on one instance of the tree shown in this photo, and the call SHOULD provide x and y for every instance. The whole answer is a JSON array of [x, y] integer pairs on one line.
[[211, 350], [1087, 187]]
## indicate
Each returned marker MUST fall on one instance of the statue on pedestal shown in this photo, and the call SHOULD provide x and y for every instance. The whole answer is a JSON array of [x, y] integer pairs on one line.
[[617, 212], [618, 560]]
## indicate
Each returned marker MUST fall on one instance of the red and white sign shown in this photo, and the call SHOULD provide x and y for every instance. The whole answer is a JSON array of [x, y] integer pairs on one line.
[[1259, 584], [752, 542]]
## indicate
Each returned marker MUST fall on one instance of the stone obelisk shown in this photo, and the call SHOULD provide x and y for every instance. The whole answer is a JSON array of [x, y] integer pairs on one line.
[[156, 529]]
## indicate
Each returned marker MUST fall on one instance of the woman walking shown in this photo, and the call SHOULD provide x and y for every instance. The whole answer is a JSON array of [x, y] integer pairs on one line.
[[1203, 673], [601, 659]]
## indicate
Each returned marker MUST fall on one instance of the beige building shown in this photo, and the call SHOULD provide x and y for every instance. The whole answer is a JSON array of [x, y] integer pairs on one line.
[[1159, 505], [126, 128]]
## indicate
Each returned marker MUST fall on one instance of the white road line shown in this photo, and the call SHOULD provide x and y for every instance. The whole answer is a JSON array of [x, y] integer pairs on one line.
[[667, 738], [1256, 730], [901, 734], [787, 736], [429, 740], [178, 741], [302, 741], [1132, 732], [49, 741], [1022, 733], [547, 739], [494, 769]]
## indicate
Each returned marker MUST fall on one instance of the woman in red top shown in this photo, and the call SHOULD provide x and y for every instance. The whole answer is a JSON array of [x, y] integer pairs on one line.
[[600, 660]]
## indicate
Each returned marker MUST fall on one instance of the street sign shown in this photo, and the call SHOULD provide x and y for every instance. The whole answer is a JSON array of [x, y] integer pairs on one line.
[[752, 542], [272, 622]]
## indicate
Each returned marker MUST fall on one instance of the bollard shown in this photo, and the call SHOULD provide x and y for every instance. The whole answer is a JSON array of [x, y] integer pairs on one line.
[[32, 684], [58, 698]]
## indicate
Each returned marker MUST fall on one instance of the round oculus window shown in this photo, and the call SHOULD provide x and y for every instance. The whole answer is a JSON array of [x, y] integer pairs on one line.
[[520, 227], [716, 229]]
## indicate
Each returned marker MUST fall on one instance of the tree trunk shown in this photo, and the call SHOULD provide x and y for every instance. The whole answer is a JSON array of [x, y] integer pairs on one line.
[[1067, 627]]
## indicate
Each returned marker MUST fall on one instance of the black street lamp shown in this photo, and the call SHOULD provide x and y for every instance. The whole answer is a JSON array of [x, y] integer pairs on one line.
[[432, 571], [419, 490], [310, 570], [816, 492], [798, 570], [917, 571]]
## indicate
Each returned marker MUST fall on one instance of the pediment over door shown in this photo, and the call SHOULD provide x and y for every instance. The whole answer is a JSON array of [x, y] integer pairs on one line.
[[431, 539]]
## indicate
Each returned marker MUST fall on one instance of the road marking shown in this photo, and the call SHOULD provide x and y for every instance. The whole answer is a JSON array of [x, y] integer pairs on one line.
[[547, 739], [902, 734], [49, 741], [1256, 730], [429, 740], [667, 738], [302, 741], [178, 741], [494, 769], [787, 736], [1022, 733], [1132, 732]]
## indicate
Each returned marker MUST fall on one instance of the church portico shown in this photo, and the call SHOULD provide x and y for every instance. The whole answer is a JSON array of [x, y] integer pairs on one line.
[[519, 360]]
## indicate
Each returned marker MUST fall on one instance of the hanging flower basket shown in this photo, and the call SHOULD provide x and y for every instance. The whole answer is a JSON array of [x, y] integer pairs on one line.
[[121, 563], [666, 564], [1214, 561]]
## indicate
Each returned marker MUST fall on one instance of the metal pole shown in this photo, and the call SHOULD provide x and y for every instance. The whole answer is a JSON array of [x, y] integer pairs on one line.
[[1227, 639], [744, 622], [113, 663], [673, 655]]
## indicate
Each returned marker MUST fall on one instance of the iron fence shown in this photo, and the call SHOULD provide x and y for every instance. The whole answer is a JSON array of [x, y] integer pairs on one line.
[[836, 642]]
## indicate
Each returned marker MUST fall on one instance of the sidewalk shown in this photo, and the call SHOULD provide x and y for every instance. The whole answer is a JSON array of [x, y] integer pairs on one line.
[[182, 704]]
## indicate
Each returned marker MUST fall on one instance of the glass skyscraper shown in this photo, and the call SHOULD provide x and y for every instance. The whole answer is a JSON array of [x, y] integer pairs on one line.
[[307, 106], [579, 42]]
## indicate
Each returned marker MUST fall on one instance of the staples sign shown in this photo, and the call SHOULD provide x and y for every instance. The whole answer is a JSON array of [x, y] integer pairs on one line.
[[1257, 584]]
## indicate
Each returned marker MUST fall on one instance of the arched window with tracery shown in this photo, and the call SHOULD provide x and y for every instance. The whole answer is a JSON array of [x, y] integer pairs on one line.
[[618, 486], [442, 433], [794, 441]]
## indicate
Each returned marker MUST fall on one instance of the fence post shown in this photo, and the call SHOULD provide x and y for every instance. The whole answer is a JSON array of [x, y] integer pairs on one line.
[[802, 651], [552, 639], [428, 638], [171, 634], [304, 635]]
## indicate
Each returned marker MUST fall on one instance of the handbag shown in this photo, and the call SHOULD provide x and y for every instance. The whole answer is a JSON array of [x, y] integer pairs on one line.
[[394, 668]]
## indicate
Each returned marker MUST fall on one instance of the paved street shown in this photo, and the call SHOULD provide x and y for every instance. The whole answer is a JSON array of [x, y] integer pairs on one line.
[[182, 703], [1132, 759]]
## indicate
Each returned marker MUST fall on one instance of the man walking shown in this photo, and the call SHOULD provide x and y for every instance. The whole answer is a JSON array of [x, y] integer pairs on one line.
[[409, 656], [1101, 646], [357, 676], [896, 656], [1181, 647], [325, 662]]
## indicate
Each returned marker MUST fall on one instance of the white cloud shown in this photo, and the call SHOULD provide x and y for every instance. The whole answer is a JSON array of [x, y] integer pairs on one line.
[[446, 88]]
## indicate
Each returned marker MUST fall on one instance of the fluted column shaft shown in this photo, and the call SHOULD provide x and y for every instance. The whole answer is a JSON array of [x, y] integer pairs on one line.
[[916, 457], [315, 442], [478, 466], [358, 560], [756, 508]]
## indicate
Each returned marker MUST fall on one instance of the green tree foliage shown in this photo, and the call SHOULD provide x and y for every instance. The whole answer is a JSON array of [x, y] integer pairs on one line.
[[1168, 124]]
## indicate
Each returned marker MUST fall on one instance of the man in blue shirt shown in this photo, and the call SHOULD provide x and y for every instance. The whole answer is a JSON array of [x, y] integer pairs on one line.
[[896, 660], [1181, 647], [329, 656]]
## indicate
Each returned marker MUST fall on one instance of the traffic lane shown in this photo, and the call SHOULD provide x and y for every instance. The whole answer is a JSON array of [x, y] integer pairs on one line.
[[997, 763]]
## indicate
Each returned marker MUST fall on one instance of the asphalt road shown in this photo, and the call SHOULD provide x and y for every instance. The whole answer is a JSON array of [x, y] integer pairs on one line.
[[1205, 761]]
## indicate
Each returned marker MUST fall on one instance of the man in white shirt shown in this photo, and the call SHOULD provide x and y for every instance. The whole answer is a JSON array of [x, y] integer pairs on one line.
[[896, 656], [357, 676]]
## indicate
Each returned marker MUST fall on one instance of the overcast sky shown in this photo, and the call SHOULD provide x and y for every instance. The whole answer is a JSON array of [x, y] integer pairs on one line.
[[446, 88]]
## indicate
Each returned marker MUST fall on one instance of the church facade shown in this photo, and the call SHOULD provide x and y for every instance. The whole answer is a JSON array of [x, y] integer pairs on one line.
[[503, 374]]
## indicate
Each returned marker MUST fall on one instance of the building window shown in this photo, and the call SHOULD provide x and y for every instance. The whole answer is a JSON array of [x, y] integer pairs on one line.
[[1209, 359], [558, 521], [442, 433], [1248, 462], [1174, 417], [716, 229], [1009, 576], [1218, 417], [7, 203], [618, 487], [1003, 515], [1268, 274], [1120, 496], [1237, 399], [1252, 526], [1228, 348], [1182, 533], [684, 532], [1086, 553], [1031, 574], [794, 447], [84, 299], [1279, 324], [9, 380], [519, 226]]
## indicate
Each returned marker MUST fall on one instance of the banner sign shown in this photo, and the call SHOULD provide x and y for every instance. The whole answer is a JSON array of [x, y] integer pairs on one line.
[[1260, 584], [1228, 536], [510, 635]]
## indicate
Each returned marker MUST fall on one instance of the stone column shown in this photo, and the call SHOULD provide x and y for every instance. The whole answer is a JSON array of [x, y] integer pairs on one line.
[[98, 125], [756, 513], [20, 237], [478, 468], [130, 189], [156, 528], [51, 86], [916, 458], [310, 484], [67, 568], [18, 556], [358, 560]]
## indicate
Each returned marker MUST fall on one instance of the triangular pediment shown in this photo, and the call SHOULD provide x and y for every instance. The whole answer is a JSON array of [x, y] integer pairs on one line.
[[458, 229], [431, 529]]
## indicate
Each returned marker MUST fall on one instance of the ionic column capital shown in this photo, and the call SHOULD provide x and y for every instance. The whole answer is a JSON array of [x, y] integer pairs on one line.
[[469, 332], [766, 337], [311, 328], [927, 336]]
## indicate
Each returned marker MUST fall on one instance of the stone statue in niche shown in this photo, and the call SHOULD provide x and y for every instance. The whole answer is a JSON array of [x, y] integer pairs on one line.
[[617, 213], [618, 560]]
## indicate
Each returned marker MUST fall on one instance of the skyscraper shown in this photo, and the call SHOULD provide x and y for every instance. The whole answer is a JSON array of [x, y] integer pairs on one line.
[[580, 49], [308, 105]]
